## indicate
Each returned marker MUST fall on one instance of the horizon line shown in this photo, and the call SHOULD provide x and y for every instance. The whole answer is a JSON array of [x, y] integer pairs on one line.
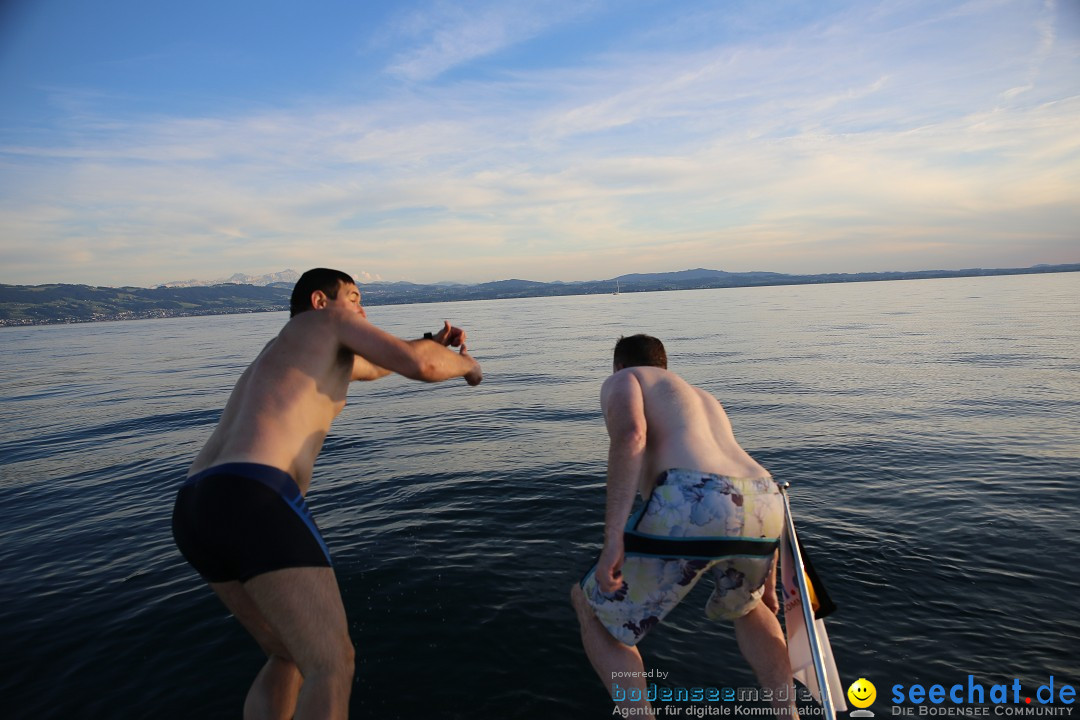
[[213, 283]]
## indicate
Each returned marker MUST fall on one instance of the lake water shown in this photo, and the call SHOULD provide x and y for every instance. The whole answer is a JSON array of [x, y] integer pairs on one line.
[[929, 430]]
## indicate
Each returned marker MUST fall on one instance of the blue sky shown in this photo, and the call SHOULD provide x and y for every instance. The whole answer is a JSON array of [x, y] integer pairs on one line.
[[144, 141]]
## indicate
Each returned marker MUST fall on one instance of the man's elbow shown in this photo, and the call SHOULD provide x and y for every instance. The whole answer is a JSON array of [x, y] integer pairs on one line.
[[423, 369], [630, 437]]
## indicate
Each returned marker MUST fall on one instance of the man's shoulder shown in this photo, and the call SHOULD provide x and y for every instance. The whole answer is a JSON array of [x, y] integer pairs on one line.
[[309, 333], [619, 379], [323, 322], [649, 375], [640, 377], [324, 316], [616, 382]]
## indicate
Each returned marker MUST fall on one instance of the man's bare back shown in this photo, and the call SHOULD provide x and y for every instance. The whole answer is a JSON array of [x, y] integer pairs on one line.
[[687, 427]]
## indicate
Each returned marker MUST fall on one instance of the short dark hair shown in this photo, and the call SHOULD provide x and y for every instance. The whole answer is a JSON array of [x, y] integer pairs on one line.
[[640, 350], [325, 279]]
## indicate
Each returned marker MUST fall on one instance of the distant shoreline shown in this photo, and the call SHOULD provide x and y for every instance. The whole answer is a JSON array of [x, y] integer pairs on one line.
[[64, 304]]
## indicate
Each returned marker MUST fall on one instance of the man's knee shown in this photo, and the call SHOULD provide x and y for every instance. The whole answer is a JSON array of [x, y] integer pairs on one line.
[[275, 650], [349, 655], [329, 655], [582, 608], [577, 597], [340, 656]]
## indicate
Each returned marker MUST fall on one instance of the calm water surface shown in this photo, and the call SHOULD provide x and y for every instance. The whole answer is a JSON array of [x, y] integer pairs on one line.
[[928, 429]]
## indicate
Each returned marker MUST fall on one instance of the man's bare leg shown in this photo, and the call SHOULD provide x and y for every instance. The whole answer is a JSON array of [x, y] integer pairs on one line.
[[274, 692], [302, 609], [762, 642], [607, 655]]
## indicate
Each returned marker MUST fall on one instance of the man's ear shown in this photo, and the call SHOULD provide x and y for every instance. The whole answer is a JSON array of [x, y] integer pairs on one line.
[[319, 300]]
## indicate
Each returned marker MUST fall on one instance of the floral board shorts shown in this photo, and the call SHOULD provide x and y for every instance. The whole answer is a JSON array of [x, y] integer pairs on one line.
[[693, 523]]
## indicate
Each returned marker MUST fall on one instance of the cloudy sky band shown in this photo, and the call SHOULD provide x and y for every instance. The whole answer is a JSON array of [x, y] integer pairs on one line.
[[494, 142]]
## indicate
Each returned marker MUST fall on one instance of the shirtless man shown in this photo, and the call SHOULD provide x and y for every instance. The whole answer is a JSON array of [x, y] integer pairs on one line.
[[241, 520], [709, 507]]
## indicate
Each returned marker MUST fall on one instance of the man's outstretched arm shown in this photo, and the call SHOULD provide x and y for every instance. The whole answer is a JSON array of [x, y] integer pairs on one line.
[[364, 369], [624, 414], [425, 360]]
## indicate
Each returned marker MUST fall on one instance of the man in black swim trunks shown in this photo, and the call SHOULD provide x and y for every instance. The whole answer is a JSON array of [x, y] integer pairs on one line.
[[240, 519]]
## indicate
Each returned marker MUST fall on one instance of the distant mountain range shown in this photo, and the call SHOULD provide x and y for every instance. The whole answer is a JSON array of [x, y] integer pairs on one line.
[[49, 304], [285, 276]]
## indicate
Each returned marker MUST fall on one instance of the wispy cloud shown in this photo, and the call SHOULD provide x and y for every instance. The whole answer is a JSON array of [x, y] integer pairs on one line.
[[443, 35]]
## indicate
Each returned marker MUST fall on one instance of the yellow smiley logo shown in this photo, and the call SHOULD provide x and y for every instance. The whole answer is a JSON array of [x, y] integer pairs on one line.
[[862, 693]]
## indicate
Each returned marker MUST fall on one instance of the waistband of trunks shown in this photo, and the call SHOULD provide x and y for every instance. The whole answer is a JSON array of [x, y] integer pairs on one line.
[[274, 478], [683, 476]]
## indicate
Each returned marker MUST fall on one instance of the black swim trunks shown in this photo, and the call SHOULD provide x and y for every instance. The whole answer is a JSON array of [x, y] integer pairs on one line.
[[238, 520]]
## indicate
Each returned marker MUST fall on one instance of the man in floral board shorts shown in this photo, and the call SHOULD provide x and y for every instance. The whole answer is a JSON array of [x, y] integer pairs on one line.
[[709, 509]]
